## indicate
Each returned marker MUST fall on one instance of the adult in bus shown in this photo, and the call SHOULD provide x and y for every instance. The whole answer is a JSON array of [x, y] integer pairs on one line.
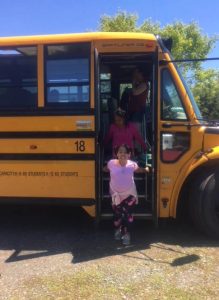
[[138, 97]]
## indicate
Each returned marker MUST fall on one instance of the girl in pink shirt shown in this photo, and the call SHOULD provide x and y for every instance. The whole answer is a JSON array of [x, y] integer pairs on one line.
[[123, 133], [123, 191]]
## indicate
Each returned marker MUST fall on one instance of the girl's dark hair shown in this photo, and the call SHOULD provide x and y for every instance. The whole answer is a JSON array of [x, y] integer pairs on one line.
[[122, 114], [128, 149]]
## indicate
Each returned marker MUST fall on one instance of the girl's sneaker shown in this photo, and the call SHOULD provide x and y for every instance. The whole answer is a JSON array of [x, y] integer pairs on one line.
[[117, 234], [126, 239]]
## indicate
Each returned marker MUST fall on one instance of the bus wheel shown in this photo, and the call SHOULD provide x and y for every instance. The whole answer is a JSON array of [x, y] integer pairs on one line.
[[204, 203]]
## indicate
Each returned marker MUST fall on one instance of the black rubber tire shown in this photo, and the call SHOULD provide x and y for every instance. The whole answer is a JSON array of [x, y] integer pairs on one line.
[[204, 203]]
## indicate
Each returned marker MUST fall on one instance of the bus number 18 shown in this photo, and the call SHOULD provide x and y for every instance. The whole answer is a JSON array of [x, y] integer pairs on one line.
[[80, 146]]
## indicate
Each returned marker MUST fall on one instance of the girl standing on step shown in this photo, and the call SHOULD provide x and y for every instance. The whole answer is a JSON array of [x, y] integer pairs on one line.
[[123, 191]]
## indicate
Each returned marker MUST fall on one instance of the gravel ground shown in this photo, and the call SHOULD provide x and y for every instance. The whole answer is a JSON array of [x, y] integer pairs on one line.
[[55, 253]]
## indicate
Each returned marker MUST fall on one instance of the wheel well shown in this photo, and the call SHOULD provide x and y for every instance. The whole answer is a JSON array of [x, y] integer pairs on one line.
[[182, 211]]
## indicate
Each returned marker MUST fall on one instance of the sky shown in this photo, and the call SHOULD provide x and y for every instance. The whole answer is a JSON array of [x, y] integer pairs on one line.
[[35, 17]]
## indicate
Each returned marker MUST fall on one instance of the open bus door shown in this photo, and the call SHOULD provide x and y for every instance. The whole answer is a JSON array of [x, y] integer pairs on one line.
[[154, 146], [98, 149], [108, 78]]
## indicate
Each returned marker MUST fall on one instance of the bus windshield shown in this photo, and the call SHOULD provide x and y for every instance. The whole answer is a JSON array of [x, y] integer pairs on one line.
[[191, 97]]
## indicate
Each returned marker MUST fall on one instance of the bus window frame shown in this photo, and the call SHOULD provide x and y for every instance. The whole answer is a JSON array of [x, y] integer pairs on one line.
[[25, 109], [75, 106]]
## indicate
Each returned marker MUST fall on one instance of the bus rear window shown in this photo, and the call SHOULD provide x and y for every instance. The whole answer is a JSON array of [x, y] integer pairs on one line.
[[68, 75], [18, 78]]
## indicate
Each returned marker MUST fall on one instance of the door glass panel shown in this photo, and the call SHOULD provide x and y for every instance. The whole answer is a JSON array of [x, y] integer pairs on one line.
[[171, 105], [174, 145]]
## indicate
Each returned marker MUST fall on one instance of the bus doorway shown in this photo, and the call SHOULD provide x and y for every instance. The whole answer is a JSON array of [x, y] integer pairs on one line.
[[115, 91]]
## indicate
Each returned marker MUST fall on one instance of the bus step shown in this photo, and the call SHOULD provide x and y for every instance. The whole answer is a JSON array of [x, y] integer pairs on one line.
[[139, 197], [137, 176], [138, 216]]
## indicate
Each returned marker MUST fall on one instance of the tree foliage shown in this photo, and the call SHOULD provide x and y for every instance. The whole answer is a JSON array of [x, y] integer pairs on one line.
[[206, 92], [189, 42], [121, 22]]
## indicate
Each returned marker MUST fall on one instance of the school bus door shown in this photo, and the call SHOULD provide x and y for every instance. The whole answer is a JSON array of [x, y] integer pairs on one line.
[[174, 134]]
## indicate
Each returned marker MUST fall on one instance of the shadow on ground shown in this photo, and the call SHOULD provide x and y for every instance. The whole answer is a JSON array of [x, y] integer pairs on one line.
[[32, 232]]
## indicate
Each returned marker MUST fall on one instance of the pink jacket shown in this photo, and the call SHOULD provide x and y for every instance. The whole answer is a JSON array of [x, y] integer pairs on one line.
[[125, 135]]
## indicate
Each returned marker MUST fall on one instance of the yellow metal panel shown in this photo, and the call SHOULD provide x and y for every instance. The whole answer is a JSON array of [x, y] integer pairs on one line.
[[62, 145], [47, 123], [172, 175], [76, 37], [211, 141], [40, 74], [58, 179], [90, 210], [215, 152]]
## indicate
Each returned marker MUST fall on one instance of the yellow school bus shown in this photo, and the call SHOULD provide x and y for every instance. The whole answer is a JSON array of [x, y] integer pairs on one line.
[[57, 97]]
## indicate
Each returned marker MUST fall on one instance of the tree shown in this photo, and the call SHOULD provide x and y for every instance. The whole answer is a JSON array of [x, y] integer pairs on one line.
[[206, 92]]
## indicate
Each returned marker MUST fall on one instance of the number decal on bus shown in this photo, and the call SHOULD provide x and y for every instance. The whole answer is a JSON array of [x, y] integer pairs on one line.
[[80, 146]]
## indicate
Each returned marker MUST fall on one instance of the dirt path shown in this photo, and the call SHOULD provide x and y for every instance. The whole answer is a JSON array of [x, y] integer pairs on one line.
[[56, 254]]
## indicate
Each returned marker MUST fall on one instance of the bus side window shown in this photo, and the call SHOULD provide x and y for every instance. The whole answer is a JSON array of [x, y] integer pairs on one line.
[[68, 75], [18, 78]]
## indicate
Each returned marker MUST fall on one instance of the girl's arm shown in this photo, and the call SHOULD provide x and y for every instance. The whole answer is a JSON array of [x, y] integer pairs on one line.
[[138, 137], [105, 169], [142, 170]]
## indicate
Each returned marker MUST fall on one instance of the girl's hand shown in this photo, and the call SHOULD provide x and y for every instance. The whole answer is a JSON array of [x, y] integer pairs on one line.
[[105, 169], [143, 170], [147, 169]]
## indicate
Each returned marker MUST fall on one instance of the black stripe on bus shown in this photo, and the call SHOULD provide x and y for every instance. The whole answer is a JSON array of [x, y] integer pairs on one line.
[[38, 112], [47, 134], [212, 130], [47, 200], [46, 156]]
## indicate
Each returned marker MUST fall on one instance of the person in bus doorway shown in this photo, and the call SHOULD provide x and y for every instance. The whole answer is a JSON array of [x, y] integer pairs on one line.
[[123, 132], [138, 97], [139, 110], [123, 191]]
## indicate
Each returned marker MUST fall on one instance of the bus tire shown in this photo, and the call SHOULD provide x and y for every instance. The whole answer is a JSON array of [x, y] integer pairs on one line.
[[204, 203]]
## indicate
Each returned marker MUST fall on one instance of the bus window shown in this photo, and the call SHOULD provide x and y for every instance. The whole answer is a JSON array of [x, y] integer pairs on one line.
[[67, 75], [172, 108], [18, 78], [105, 90], [174, 145]]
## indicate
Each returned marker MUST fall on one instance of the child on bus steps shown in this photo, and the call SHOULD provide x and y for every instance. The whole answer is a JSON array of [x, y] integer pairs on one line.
[[123, 132], [123, 191]]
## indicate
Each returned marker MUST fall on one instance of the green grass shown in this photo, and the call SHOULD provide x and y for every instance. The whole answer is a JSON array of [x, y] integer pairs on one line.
[[95, 284]]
